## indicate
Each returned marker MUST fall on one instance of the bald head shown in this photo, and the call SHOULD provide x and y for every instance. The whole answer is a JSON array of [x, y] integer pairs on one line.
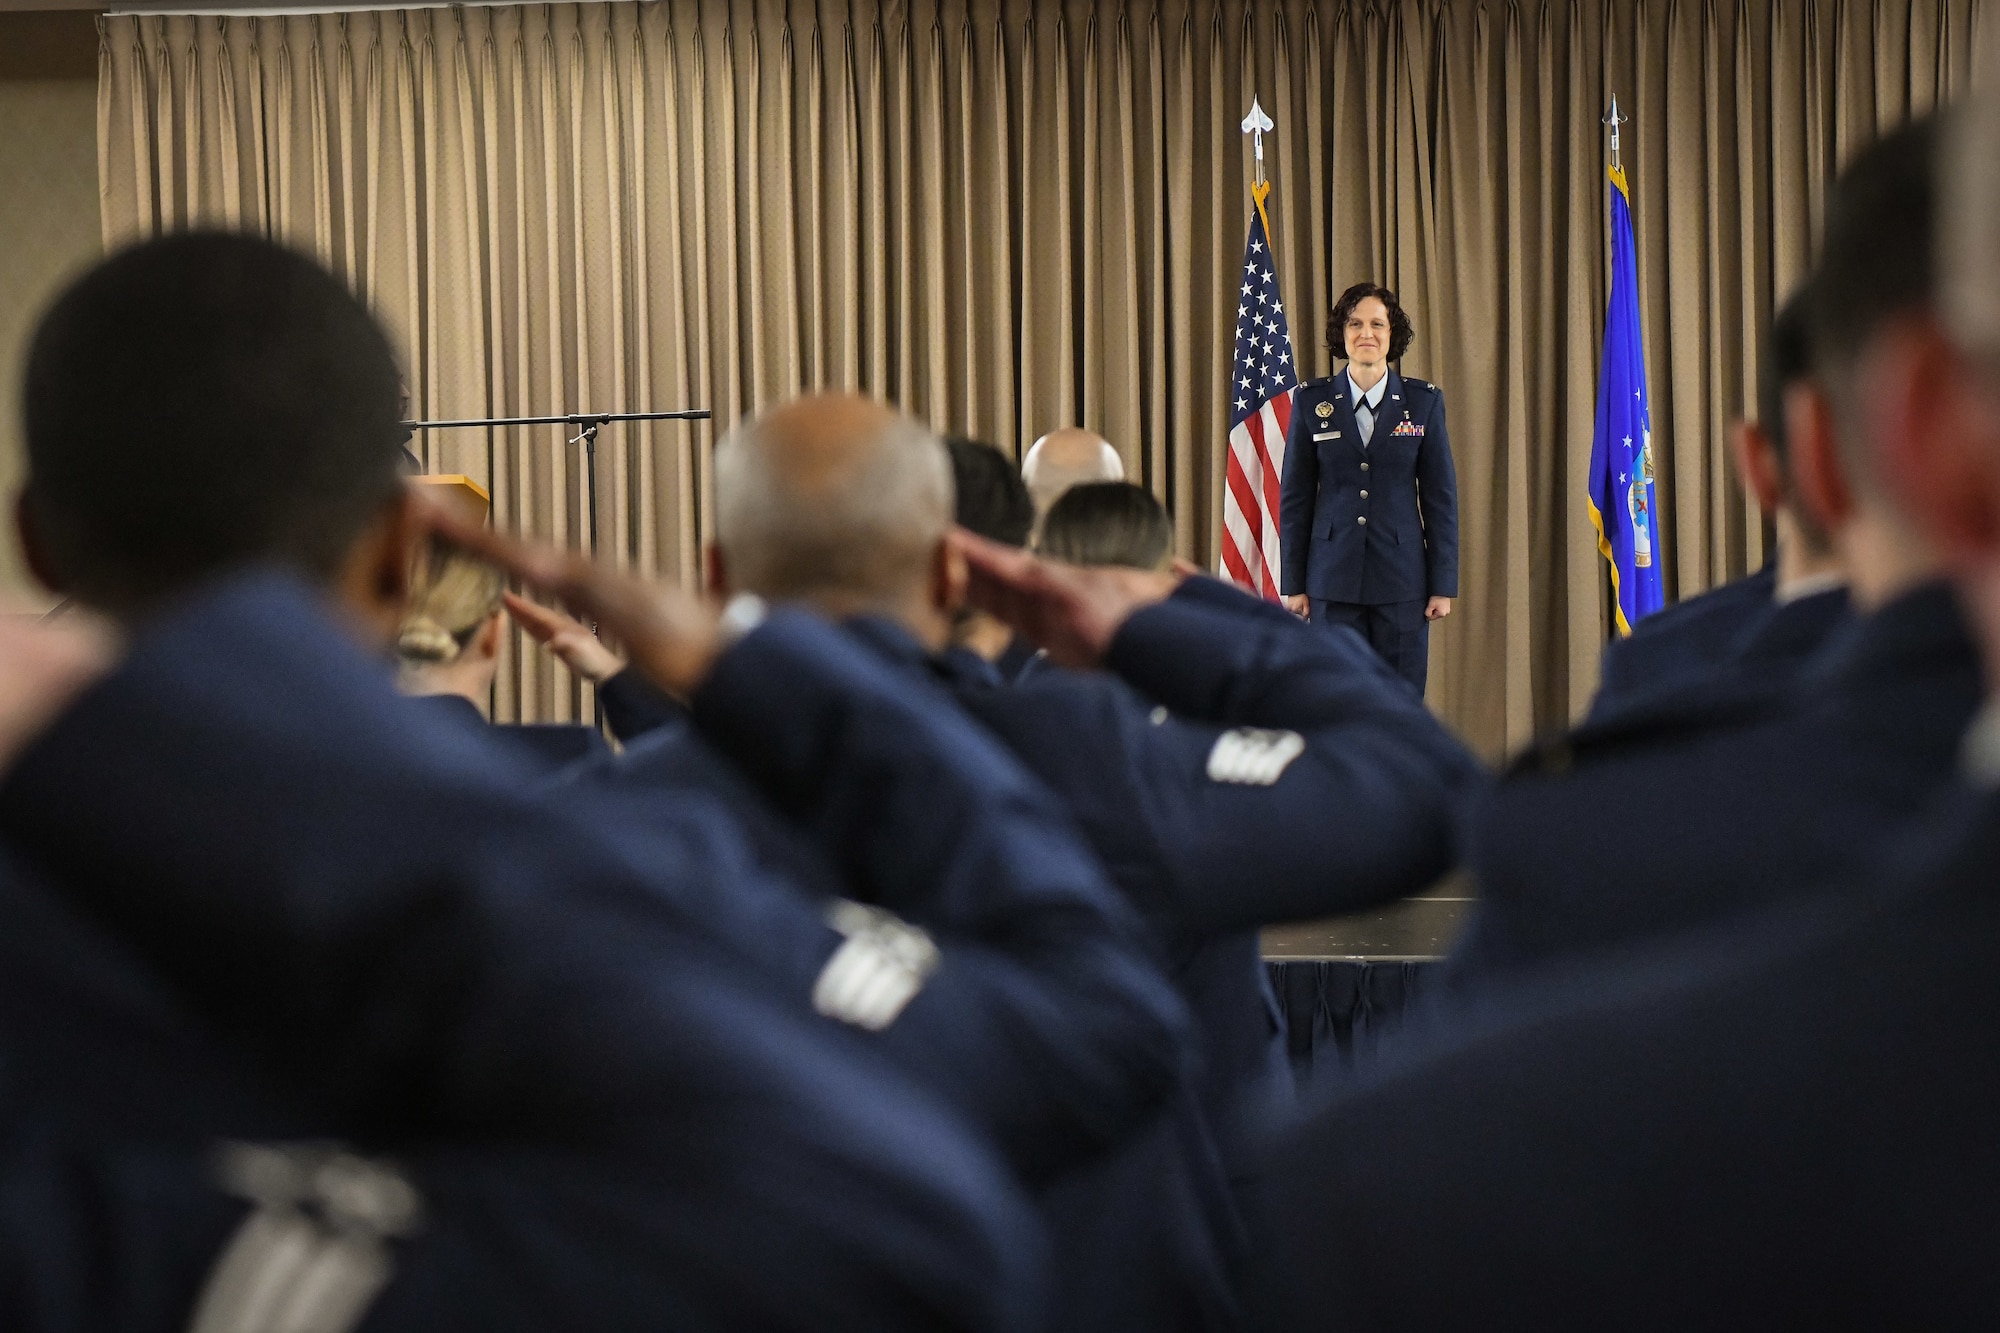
[[832, 499], [1065, 458]]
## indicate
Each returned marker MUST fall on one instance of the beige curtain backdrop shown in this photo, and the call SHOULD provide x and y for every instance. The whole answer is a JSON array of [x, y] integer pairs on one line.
[[1009, 215]]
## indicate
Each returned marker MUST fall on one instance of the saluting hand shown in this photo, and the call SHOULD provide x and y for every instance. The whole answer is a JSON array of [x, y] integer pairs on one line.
[[567, 637], [1071, 611], [673, 636]]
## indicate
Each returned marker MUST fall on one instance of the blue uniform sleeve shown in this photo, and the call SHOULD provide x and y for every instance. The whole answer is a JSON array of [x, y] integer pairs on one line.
[[634, 705], [1067, 1033], [1294, 776], [1437, 493], [369, 911], [1621, 676], [1201, 590], [1297, 496]]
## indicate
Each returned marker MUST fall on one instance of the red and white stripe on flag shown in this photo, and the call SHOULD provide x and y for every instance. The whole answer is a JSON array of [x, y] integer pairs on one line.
[[1250, 504]]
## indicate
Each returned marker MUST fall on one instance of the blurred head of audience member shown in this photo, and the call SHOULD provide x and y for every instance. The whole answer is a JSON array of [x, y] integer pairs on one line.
[[1940, 383], [204, 403], [1109, 523], [1807, 555], [991, 500], [449, 642], [844, 504], [1871, 294], [1065, 458]]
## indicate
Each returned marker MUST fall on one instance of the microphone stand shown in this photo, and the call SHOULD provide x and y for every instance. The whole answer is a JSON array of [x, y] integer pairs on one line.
[[587, 425]]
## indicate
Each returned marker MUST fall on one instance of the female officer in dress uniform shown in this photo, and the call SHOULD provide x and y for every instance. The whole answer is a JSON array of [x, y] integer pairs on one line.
[[1369, 512]]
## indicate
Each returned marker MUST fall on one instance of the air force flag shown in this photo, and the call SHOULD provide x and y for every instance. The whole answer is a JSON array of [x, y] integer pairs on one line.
[[1621, 452]]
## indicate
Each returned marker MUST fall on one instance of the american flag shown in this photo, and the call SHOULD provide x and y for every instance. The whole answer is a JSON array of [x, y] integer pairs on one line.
[[1262, 379]]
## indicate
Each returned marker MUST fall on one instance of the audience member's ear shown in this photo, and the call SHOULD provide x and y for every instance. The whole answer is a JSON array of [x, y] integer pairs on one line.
[[948, 579], [33, 548], [373, 586], [1757, 463], [718, 570], [1819, 475], [1938, 425], [485, 645]]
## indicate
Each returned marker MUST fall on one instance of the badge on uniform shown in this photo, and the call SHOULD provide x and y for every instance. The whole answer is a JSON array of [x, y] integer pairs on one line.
[[878, 971], [1407, 427], [1253, 757], [1325, 410], [314, 1252]]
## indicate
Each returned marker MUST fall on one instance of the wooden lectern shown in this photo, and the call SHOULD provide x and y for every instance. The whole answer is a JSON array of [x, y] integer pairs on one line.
[[463, 496]]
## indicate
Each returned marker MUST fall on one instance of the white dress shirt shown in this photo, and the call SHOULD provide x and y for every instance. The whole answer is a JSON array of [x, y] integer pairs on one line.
[[1365, 421]]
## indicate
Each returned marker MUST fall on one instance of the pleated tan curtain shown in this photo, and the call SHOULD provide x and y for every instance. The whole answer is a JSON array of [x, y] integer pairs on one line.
[[1009, 215]]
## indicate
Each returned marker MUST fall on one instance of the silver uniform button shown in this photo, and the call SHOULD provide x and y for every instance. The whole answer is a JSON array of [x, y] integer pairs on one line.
[[1363, 520], [1364, 495], [1364, 467]]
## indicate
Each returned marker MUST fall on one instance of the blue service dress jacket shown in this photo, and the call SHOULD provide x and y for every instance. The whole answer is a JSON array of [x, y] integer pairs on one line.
[[370, 913], [1046, 1020], [1368, 524], [1188, 806], [118, 1107], [1781, 1122], [1674, 648], [552, 745], [1755, 786], [1210, 824]]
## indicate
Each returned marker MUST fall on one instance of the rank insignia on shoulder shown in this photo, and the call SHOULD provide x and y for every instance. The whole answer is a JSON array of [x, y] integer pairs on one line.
[[874, 975], [1325, 410], [314, 1252], [1253, 757]]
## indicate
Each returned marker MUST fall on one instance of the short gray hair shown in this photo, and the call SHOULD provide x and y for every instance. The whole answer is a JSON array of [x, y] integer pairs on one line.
[[867, 529]]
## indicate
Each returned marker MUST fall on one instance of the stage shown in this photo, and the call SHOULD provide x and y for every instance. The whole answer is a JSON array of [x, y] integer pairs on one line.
[[1343, 983]]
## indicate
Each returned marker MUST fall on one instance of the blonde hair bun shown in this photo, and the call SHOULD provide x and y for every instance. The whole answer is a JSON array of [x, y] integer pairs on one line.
[[424, 640], [454, 594]]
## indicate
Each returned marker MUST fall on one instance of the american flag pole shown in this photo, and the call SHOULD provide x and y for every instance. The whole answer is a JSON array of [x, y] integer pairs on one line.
[[1262, 379]]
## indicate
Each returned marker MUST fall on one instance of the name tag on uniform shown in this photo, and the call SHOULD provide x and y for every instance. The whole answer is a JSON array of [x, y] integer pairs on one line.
[[1326, 435], [1407, 428]]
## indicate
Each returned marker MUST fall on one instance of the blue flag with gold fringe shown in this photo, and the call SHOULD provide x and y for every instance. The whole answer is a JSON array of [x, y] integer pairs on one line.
[[1621, 451]]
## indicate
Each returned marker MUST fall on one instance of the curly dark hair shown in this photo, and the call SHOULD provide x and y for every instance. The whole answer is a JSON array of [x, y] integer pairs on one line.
[[1401, 334]]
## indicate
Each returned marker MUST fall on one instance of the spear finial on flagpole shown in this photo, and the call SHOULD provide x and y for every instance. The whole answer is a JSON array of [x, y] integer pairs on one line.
[[1614, 120], [1256, 125]]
